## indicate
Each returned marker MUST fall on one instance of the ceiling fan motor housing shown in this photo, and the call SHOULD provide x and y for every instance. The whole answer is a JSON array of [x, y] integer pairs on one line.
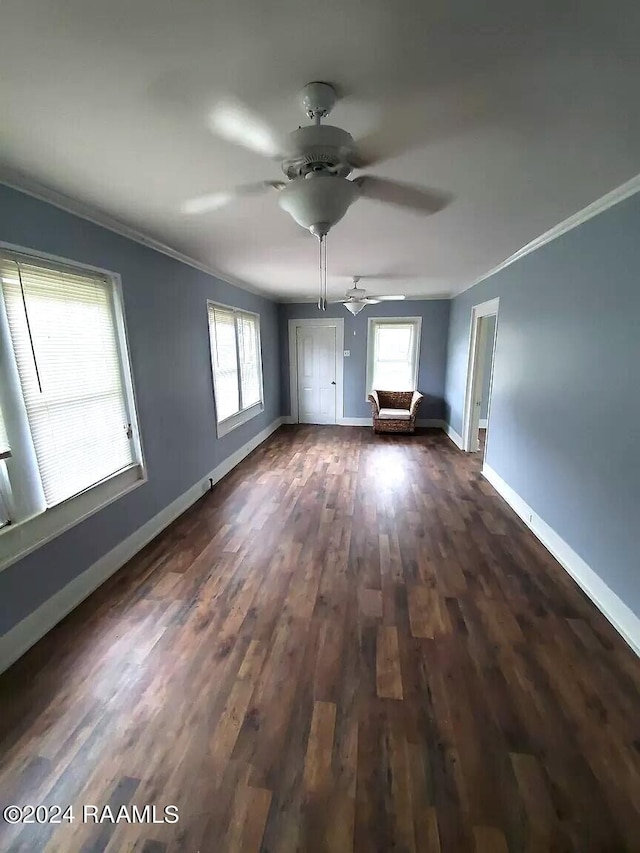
[[319, 148], [318, 200]]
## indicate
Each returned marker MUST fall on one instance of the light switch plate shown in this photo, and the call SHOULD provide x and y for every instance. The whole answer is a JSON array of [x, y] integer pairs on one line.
[[347, 353]]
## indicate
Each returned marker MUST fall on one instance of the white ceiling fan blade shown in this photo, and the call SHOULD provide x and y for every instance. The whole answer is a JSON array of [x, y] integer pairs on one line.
[[371, 300], [236, 123], [214, 201], [419, 199], [388, 298], [206, 203]]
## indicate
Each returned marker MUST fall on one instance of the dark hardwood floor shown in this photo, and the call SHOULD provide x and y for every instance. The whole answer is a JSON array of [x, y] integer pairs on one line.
[[352, 643]]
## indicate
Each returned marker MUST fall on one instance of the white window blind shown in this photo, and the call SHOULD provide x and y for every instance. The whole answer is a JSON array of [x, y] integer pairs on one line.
[[5, 450], [393, 354], [64, 336], [249, 360], [224, 353], [4, 511], [236, 361]]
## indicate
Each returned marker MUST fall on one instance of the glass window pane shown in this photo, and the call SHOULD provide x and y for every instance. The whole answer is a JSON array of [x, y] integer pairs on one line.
[[64, 336]]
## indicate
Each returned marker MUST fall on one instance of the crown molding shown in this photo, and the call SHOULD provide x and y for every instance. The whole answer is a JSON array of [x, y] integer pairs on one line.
[[629, 188], [311, 300], [20, 182]]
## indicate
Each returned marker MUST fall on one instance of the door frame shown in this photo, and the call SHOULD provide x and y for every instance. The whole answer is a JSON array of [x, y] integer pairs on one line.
[[483, 309], [338, 324]]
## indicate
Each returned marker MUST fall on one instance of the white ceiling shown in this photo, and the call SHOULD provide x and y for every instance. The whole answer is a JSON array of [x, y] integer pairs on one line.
[[524, 113]]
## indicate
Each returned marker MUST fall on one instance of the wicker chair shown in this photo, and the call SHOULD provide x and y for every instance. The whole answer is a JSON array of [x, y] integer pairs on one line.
[[394, 411]]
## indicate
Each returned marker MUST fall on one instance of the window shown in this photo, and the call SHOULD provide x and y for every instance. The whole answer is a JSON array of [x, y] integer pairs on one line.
[[5, 453], [237, 365], [393, 352], [67, 405]]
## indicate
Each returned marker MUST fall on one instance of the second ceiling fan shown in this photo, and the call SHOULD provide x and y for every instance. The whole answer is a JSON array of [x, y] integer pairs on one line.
[[356, 298]]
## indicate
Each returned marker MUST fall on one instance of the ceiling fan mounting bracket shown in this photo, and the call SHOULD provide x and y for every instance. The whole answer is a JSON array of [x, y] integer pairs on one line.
[[317, 99]]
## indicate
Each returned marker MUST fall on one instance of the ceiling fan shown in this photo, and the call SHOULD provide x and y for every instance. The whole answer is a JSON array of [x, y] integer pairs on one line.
[[316, 160], [356, 298]]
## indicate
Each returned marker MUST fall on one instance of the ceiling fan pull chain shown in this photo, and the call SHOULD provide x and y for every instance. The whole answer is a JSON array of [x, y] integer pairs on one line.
[[324, 289], [320, 267]]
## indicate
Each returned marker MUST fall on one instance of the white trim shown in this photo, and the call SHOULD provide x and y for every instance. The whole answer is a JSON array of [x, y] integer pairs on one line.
[[427, 423], [631, 187], [455, 437], [482, 423], [58, 260], [371, 324], [483, 309], [16, 181], [33, 627], [126, 369], [338, 323], [234, 421], [416, 297], [623, 619], [21, 538], [356, 421]]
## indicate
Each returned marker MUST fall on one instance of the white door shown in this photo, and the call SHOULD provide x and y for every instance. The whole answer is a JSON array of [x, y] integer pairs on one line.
[[316, 351], [481, 348]]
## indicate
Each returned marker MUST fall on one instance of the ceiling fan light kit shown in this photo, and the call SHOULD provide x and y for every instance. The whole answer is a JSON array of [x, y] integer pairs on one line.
[[318, 200], [318, 161], [355, 306]]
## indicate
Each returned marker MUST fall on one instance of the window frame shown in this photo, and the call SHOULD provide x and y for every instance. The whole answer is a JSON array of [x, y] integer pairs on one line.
[[225, 426], [22, 536], [391, 321]]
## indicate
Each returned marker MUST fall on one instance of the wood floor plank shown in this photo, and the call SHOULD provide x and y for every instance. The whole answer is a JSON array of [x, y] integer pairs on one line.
[[427, 612], [317, 765], [388, 674], [489, 840], [351, 644]]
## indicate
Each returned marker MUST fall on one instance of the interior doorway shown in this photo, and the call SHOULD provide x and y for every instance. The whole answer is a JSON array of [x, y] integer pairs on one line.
[[484, 324], [316, 368], [316, 352]]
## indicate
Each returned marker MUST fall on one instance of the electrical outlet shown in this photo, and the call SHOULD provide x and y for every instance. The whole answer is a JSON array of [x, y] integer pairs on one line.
[[347, 353]]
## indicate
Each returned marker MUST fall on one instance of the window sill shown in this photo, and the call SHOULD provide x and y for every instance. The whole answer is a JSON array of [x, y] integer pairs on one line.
[[19, 539], [234, 421]]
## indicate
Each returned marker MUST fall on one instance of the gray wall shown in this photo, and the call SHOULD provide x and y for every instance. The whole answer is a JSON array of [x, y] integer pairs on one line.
[[165, 310], [565, 404], [486, 366], [433, 351]]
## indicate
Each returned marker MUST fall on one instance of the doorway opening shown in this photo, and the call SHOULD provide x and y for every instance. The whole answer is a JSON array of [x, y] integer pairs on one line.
[[316, 370], [484, 325]]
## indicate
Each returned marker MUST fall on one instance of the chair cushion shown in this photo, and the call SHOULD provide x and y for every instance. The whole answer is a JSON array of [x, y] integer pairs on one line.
[[394, 414]]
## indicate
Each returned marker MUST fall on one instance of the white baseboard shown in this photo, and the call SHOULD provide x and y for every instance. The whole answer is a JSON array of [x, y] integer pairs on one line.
[[34, 626], [434, 423], [623, 619], [482, 423], [354, 421], [453, 435], [287, 419]]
